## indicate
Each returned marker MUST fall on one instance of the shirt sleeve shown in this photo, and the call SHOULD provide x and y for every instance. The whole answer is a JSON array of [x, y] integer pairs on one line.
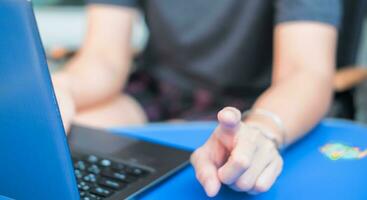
[[324, 11], [129, 3]]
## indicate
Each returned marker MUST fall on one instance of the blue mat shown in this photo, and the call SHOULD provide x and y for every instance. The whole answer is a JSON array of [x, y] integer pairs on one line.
[[307, 174]]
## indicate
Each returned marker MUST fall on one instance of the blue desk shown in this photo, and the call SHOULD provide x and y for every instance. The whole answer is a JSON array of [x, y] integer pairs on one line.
[[308, 174], [5, 198]]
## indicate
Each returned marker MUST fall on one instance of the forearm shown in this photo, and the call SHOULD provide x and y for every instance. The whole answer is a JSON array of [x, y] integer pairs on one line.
[[91, 79], [300, 101], [349, 77], [101, 67], [302, 85]]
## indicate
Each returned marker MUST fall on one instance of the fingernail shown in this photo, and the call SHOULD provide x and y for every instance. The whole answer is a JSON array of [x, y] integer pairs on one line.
[[230, 115], [229, 118]]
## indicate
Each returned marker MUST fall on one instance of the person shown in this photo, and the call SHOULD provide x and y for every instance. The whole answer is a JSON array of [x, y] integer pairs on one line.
[[275, 60], [348, 102], [349, 77]]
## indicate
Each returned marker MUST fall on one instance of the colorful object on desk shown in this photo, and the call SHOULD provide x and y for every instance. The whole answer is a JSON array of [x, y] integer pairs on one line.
[[336, 151]]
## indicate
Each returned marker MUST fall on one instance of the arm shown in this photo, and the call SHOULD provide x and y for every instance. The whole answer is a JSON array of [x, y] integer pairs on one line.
[[101, 67], [99, 70], [304, 62], [349, 77], [238, 153]]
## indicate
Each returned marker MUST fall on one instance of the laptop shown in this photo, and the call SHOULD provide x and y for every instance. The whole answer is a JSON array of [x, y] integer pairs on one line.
[[37, 160]]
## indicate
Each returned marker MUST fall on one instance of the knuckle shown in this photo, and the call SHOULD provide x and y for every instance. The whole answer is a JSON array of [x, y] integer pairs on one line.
[[244, 185], [261, 187], [269, 145], [196, 154], [257, 135], [241, 160]]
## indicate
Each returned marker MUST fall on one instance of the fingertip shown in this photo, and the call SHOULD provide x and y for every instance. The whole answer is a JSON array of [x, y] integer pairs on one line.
[[212, 187], [262, 187], [222, 176], [267, 178], [229, 117], [263, 183], [252, 192]]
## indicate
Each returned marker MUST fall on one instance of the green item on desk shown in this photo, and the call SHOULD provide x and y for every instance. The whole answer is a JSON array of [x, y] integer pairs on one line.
[[336, 151]]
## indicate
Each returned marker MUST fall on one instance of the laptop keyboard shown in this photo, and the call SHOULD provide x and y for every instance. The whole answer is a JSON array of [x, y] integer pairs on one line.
[[99, 178]]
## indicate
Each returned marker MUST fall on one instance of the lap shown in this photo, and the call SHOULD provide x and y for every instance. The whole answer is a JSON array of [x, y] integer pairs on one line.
[[164, 101], [148, 99]]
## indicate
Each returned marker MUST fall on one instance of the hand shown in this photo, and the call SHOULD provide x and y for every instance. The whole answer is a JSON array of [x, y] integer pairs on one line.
[[236, 155], [66, 106]]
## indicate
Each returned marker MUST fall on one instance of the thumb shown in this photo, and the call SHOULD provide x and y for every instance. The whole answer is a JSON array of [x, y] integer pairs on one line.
[[229, 120]]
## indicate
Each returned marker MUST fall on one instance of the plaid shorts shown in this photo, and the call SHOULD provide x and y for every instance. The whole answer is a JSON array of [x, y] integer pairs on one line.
[[163, 101]]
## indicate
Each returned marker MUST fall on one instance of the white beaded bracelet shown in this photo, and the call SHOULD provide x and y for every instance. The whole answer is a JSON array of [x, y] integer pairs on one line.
[[275, 119]]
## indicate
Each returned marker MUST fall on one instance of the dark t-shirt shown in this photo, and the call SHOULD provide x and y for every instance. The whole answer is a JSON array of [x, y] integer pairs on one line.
[[221, 45]]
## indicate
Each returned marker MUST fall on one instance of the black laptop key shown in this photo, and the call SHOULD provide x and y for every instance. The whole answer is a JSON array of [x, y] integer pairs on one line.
[[86, 196], [94, 197], [105, 163], [118, 176], [90, 197], [94, 169], [112, 184], [81, 165], [92, 159], [85, 188], [118, 166], [137, 172], [90, 178], [78, 174], [102, 192]]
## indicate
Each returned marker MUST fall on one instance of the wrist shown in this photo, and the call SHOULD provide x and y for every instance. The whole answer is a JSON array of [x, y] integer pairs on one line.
[[269, 124], [267, 133]]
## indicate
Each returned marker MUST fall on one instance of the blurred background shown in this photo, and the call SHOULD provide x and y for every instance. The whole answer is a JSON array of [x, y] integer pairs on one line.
[[62, 25]]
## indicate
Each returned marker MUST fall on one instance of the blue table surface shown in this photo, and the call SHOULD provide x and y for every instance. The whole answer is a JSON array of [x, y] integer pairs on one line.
[[4, 198], [307, 173]]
